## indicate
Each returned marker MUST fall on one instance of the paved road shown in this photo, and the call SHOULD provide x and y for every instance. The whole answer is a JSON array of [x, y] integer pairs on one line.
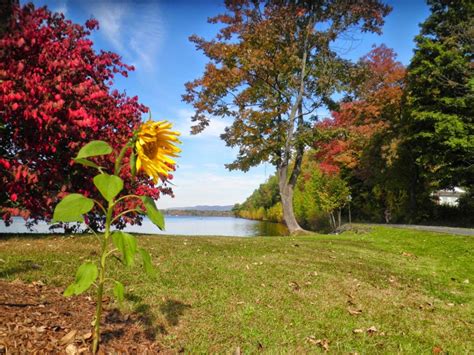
[[450, 230]]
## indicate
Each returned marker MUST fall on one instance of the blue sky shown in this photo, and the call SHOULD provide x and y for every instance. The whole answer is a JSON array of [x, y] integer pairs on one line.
[[153, 36]]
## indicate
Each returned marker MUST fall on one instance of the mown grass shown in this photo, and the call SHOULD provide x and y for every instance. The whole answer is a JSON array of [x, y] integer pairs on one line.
[[280, 294]]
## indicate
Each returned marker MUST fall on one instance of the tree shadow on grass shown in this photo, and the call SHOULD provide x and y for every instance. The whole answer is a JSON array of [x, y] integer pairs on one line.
[[173, 309], [21, 267], [141, 321], [143, 313]]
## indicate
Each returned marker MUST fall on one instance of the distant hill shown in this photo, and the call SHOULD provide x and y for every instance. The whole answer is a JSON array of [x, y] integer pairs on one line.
[[204, 208]]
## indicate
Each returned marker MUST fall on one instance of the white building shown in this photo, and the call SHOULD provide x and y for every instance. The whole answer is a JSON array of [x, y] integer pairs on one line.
[[449, 197]]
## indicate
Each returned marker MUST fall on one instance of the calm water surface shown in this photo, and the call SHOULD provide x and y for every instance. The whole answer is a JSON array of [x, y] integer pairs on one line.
[[182, 225]]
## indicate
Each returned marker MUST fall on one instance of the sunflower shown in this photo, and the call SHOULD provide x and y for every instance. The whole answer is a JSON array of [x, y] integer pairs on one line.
[[155, 147]]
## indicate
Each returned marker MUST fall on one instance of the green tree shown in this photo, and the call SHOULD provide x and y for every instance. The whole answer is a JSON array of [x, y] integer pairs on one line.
[[438, 122], [272, 65]]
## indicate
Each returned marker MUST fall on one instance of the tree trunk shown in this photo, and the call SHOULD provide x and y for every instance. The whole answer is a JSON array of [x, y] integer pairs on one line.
[[286, 194], [332, 221], [413, 194]]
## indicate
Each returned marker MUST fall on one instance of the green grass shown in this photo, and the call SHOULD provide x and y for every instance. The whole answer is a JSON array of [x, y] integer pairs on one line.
[[270, 294]]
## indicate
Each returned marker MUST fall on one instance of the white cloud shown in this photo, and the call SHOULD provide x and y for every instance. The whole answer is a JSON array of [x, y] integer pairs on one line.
[[183, 124], [211, 189], [59, 6], [134, 29], [111, 18]]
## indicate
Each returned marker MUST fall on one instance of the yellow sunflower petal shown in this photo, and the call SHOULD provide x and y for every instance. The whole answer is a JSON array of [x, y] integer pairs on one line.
[[155, 147]]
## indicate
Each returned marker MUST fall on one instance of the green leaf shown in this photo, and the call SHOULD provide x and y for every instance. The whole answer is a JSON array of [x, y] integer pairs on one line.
[[119, 291], [108, 185], [152, 212], [93, 149], [71, 208], [85, 276], [126, 244], [133, 164], [146, 258], [86, 162]]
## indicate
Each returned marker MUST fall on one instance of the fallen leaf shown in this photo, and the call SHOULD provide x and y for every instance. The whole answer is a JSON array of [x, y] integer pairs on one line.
[[41, 329], [354, 312], [372, 330], [323, 343], [237, 351], [437, 350], [451, 304], [358, 331], [68, 338], [407, 254], [87, 336], [466, 281], [294, 285], [71, 349]]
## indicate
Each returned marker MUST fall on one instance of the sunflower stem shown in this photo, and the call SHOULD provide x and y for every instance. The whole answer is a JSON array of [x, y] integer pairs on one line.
[[118, 162], [102, 278]]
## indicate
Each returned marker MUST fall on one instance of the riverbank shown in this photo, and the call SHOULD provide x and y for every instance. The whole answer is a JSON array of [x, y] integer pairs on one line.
[[387, 290], [177, 225]]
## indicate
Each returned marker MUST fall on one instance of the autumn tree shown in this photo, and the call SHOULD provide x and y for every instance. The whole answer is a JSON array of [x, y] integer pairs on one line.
[[361, 141], [55, 96], [439, 116], [271, 66], [6, 13], [372, 106]]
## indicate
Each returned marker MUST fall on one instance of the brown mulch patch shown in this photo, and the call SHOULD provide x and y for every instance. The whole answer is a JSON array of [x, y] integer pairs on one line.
[[35, 318]]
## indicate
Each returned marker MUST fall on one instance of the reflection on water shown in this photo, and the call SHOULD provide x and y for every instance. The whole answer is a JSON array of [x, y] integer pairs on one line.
[[181, 225]]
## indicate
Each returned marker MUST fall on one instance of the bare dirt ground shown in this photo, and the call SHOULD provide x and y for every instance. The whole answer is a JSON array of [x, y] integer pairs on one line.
[[36, 319]]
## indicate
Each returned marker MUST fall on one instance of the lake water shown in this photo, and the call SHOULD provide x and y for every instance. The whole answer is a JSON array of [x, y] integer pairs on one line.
[[182, 225]]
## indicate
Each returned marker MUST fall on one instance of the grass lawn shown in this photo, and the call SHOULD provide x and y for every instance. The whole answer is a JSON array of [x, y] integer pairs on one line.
[[273, 294]]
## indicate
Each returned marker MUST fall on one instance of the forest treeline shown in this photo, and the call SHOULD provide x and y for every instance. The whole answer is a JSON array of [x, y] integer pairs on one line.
[[397, 136]]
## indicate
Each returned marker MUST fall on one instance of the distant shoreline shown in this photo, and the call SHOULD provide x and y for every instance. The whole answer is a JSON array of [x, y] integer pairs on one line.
[[204, 213]]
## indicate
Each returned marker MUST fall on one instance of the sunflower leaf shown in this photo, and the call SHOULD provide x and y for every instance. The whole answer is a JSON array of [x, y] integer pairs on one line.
[[119, 291], [71, 208], [152, 212], [86, 162], [85, 276], [146, 259], [108, 185], [126, 244], [93, 149]]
